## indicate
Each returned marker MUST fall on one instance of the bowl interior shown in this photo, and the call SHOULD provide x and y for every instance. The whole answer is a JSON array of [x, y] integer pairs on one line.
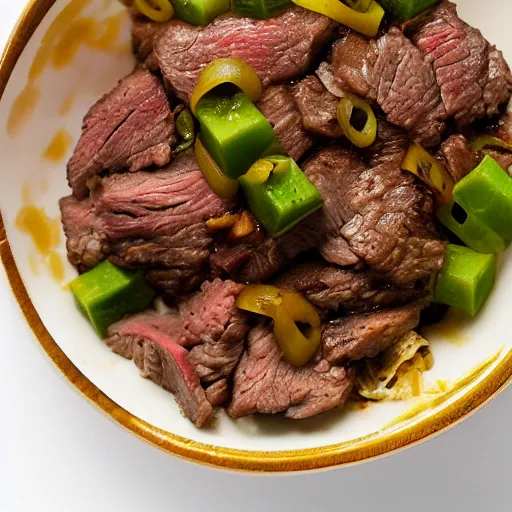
[[58, 94]]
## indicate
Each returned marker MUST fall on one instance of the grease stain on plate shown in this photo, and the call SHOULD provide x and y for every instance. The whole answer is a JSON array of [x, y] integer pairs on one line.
[[45, 234], [65, 37], [58, 147]]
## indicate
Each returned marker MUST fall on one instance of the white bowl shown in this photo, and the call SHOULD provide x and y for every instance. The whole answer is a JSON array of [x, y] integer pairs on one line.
[[473, 356]]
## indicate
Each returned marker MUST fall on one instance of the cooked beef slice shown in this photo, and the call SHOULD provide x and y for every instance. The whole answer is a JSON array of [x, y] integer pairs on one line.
[[331, 288], [82, 243], [155, 221], [395, 74], [228, 259], [208, 323], [355, 337], [332, 83], [166, 363], [318, 108], [278, 105], [129, 128], [265, 383], [457, 156], [473, 76], [278, 49], [218, 393], [145, 34], [391, 144], [216, 328], [385, 215]]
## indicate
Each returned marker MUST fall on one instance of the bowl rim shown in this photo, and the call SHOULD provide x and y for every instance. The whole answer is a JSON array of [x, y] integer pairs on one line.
[[407, 433]]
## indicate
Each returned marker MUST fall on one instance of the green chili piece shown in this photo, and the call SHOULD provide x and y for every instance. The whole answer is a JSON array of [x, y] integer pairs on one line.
[[108, 293], [407, 9], [200, 12], [260, 9], [466, 279], [279, 195]]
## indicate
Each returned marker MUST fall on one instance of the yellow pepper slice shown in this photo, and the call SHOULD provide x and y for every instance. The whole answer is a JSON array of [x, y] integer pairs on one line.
[[288, 309], [218, 181], [360, 138], [421, 163], [484, 141], [221, 71], [366, 23], [359, 5], [156, 10], [260, 172]]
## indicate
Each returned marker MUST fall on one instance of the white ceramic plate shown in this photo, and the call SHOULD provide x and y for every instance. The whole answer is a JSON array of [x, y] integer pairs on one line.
[[472, 356]]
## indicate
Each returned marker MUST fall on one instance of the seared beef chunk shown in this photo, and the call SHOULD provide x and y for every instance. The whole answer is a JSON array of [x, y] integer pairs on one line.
[[457, 156], [228, 259], [131, 127], [450, 71], [218, 393], [332, 288], [395, 74], [165, 362], [473, 76], [265, 383], [318, 108], [391, 144], [216, 327], [82, 243], [278, 49], [384, 214], [155, 221], [278, 106], [208, 323], [355, 337], [145, 34]]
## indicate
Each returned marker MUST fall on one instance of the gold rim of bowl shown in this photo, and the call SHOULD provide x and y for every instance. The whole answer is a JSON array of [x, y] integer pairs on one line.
[[417, 428]]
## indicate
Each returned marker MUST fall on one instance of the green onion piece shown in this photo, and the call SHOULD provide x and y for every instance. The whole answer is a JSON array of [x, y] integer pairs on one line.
[[260, 9], [367, 135], [108, 293], [200, 12], [279, 195], [233, 131], [407, 9], [481, 211], [466, 279]]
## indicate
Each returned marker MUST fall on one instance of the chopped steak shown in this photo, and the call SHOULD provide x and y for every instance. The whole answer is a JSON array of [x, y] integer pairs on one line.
[[163, 361], [82, 243], [331, 288], [145, 34], [155, 221], [332, 83], [318, 108], [473, 76], [216, 328], [131, 127], [384, 214], [391, 144], [265, 383], [395, 74], [278, 49], [355, 337], [218, 393], [457, 156], [228, 260], [278, 106]]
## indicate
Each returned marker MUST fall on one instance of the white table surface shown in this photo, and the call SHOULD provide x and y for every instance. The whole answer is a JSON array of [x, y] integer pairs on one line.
[[58, 453]]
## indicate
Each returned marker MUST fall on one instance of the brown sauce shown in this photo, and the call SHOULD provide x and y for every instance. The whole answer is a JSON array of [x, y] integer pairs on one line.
[[58, 147]]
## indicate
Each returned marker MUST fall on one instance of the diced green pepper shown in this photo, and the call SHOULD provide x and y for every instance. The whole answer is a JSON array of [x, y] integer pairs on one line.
[[466, 279], [407, 9], [279, 195], [200, 12], [233, 131], [107, 293], [481, 213], [261, 9]]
